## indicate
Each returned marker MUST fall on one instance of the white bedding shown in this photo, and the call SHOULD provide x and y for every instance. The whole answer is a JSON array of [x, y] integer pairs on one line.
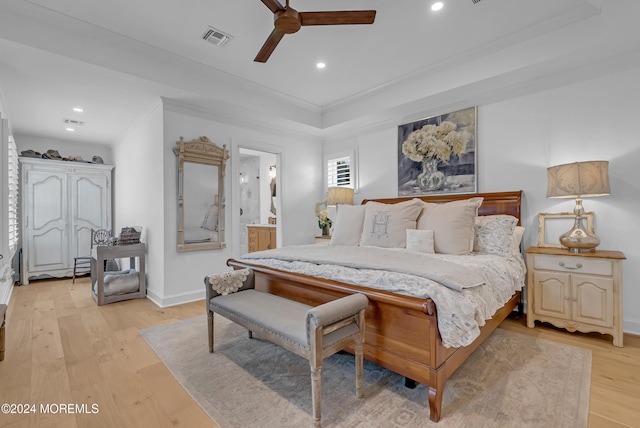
[[460, 313], [194, 235]]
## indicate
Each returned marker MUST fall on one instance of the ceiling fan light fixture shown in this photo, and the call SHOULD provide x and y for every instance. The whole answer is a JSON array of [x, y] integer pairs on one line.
[[321, 65], [437, 6]]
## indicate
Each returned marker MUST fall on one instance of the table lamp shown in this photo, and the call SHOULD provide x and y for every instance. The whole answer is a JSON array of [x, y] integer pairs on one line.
[[339, 195], [579, 180]]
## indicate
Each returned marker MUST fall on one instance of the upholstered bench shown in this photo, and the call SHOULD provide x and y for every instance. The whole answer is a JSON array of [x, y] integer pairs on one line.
[[310, 332]]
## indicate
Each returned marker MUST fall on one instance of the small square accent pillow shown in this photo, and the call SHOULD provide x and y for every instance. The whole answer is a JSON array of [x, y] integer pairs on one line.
[[420, 240], [494, 234], [348, 225], [385, 225], [452, 224]]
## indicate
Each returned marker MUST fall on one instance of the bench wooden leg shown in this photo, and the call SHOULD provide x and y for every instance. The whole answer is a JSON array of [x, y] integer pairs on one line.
[[359, 368], [210, 324], [316, 392]]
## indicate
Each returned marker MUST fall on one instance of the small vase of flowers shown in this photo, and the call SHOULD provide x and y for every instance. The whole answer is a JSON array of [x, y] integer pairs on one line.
[[324, 222]]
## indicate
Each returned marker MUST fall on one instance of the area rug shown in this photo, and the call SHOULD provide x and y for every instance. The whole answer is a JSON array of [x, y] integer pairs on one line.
[[511, 380]]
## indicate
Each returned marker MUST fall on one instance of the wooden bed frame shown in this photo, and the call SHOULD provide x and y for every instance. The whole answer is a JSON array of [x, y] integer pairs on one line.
[[401, 331]]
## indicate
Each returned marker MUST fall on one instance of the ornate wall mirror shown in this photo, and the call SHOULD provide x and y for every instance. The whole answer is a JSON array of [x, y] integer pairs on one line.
[[201, 203]]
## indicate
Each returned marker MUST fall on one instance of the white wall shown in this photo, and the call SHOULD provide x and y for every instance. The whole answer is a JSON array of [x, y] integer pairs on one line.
[[139, 195], [519, 138], [300, 173]]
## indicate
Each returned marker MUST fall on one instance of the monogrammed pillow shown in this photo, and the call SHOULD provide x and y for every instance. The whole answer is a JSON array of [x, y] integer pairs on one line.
[[385, 225]]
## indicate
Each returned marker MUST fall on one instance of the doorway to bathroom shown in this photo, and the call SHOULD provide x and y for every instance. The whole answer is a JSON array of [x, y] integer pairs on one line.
[[259, 197]]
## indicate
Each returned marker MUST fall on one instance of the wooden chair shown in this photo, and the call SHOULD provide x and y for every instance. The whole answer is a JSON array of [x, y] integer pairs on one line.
[[82, 264]]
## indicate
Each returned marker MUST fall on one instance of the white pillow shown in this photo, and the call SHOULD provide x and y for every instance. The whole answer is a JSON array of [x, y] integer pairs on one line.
[[210, 221], [494, 234], [385, 225], [348, 225], [452, 224], [517, 238], [420, 240]]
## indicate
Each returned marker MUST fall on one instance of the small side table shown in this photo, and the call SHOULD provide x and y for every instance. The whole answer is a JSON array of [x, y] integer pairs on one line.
[[100, 254], [323, 239], [576, 291]]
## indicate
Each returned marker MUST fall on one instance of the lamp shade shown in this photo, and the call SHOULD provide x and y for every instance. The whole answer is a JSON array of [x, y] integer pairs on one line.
[[340, 195], [578, 180]]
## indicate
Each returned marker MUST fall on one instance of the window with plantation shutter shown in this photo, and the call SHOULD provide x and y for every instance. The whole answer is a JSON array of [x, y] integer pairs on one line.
[[13, 171], [339, 172]]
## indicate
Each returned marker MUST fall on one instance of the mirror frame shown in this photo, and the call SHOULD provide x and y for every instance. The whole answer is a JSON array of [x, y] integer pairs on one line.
[[203, 151]]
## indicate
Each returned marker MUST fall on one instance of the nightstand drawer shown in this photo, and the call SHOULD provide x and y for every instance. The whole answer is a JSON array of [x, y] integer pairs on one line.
[[574, 264]]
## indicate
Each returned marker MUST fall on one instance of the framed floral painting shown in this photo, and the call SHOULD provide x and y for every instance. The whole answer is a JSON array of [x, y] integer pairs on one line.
[[437, 155]]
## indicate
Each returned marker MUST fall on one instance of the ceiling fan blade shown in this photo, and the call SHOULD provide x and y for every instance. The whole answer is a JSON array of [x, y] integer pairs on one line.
[[273, 5], [346, 17], [268, 47]]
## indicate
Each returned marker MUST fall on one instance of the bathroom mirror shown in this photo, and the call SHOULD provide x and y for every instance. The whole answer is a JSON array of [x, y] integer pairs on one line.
[[201, 202]]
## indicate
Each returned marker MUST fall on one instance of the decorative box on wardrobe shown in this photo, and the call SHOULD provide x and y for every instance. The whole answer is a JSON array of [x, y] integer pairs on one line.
[[61, 202]]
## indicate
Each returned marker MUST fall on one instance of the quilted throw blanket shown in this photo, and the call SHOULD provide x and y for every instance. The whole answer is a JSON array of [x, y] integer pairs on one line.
[[443, 272], [467, 290]]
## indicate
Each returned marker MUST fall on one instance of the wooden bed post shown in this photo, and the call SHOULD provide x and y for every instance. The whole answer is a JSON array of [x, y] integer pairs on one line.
[[435, 397]]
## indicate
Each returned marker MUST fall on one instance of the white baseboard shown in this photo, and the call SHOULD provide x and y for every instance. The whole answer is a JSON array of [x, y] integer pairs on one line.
[[176, 299], [631, 326]]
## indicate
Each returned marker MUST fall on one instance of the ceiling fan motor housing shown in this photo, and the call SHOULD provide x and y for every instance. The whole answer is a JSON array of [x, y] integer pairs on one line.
[[287, 20]]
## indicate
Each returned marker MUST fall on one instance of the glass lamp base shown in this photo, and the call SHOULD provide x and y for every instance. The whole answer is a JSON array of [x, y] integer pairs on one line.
[[579, 239]]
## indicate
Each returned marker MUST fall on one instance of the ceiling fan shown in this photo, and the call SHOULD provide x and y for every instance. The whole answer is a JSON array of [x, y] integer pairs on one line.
[[288, 21]]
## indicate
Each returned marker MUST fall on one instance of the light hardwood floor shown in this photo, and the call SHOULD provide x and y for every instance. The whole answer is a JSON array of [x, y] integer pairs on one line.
[[61, 348]]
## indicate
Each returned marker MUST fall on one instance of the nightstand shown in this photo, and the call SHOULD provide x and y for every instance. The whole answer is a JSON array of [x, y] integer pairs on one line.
[[575, 291], [323, 240]]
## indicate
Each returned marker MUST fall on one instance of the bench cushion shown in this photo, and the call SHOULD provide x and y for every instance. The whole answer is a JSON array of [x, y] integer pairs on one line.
[[285, 317]]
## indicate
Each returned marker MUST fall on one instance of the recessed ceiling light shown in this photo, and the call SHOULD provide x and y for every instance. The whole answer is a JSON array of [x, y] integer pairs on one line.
[[321, 65], [437, 6], [78, 109], [70, 129]]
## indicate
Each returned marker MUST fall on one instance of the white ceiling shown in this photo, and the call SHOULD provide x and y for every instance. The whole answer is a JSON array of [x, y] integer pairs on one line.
[[117, 58]]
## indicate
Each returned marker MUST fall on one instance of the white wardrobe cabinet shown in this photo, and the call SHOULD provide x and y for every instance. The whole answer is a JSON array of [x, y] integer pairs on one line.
[[61, 202]]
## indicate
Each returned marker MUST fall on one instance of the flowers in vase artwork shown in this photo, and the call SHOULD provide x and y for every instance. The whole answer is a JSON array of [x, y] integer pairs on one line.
[[435, 142], [437, 154]]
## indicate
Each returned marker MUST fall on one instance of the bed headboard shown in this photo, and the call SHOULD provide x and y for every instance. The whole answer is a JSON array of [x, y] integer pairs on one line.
[[494, 203]]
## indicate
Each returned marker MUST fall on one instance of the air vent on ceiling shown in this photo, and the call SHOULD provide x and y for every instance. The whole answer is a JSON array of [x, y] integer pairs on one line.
[[475, 1], [72, 122], [216, 37]]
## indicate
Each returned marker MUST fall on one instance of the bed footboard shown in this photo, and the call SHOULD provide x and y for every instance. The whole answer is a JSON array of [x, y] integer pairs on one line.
[[402, 332]]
